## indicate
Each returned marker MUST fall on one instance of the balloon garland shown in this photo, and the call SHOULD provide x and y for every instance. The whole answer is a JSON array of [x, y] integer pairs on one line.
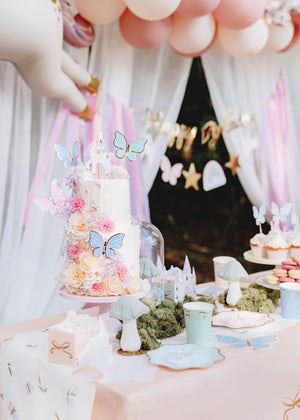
[[242, 28]]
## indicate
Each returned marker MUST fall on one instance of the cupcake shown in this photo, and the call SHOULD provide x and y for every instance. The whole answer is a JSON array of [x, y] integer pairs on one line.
[[295, 245], [258, 245], [277, 246]]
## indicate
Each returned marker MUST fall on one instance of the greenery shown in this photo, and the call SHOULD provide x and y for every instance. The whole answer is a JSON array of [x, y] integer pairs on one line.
[[256, 298], [166, 320]]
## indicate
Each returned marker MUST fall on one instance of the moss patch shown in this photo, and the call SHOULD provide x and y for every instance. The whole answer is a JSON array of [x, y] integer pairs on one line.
[[256, 298]]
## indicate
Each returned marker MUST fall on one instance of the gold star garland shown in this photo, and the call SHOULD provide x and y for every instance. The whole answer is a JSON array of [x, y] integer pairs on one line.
[[183, 138]]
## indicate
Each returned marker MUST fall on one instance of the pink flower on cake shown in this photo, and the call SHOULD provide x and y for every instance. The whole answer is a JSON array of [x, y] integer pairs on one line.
[[106, 225], [77, 204], [97, 289], [75, 250], [123, 271]]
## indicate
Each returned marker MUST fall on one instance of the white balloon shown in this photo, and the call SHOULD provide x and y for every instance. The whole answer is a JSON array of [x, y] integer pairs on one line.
[[191, 35], [244, 42], [152, 9], [279, 37]]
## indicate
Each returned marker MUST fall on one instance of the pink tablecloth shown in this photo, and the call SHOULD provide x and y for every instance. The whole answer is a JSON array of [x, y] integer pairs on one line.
[[248, 385]]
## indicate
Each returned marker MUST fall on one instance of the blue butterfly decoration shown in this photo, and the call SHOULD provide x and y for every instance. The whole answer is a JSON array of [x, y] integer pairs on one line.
[[258, 343], [125, 149], [68, 158], [105, 247]]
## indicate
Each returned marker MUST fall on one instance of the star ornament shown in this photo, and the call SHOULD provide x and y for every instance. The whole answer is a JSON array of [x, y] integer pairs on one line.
[[191, 177], [233, 163]]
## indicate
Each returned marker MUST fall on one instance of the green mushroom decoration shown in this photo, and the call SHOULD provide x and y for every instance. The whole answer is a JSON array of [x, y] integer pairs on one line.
[[127, 309], [232, 272]]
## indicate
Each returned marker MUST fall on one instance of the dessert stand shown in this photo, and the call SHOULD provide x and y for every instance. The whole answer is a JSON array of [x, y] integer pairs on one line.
[[264, 261], [104, 303]]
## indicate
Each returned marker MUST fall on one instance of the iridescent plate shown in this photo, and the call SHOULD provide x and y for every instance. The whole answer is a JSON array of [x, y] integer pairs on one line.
[[185, 356], [240, 319]]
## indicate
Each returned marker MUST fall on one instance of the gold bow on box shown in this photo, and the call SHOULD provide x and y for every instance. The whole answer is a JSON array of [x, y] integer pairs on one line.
[[64, 346]]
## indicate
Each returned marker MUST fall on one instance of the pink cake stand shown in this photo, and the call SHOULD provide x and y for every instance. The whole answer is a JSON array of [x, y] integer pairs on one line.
[[104, 303]]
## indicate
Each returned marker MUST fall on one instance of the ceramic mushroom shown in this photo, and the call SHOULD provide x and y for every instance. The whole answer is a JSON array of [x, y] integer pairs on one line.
[[232, 272], [127, 309]]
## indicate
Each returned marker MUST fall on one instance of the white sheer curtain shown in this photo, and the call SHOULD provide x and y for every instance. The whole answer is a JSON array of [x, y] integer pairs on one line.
[[247, 83], [30, 257]]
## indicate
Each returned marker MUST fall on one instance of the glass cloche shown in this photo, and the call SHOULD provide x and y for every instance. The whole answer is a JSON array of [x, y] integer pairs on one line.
[[152, 259]]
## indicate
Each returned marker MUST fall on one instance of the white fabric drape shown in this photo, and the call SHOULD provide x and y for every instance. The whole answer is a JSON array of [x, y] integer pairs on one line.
[[247, 83], [30, 257]]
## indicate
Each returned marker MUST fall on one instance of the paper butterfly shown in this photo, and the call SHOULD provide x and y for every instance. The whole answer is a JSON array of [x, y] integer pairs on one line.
[[170, 173], [282, 212], [68, 158], [295, 221], [259, 215], [105, 247], [126, 150], [255, 343], [55, 201]]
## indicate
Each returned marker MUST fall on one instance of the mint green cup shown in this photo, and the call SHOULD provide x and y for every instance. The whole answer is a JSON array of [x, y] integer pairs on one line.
[[197, 317]]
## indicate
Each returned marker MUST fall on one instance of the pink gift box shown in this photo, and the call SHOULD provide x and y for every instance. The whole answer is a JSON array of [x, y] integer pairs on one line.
[[68, 348]]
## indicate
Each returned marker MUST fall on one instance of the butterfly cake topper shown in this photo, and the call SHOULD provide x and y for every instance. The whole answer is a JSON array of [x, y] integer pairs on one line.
[[69, 159], [279, 214], [259, 215], [56, 200], [126, 150], [102, 247]]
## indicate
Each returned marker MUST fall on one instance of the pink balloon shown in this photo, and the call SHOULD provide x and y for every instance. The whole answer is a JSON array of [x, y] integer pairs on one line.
[[244, 42], [191, 37], [238, 14], [196, 8], [152, 9], [279, 37], [100, 11], [144, 34]]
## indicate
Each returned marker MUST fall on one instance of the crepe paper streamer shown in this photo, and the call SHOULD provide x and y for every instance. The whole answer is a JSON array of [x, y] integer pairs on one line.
[[278, 147], [41, 170], [258, 343], [213, 176]]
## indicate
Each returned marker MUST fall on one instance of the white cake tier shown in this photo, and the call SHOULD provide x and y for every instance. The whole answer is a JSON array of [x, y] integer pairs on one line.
[[111, 196]]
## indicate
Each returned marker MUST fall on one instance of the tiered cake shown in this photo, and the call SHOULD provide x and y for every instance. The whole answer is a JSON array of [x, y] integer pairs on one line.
[[102, 240]]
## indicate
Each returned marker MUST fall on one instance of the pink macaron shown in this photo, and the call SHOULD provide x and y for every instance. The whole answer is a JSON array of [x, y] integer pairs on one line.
[[296, 259], [289, 262], [280, 272], [288, 266], [286, 280]]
